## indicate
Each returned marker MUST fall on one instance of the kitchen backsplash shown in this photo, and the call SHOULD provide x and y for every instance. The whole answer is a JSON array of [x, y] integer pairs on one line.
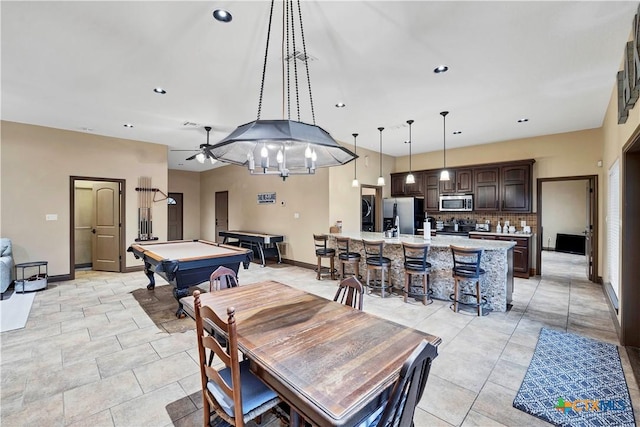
[[513, 218]]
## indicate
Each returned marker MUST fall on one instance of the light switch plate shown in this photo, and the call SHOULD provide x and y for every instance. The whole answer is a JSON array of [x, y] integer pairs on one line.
[[51, 217]]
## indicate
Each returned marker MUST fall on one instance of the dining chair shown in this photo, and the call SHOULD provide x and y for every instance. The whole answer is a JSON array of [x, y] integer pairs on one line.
[[222, 278], [407, 391], [350, 292], [232, 393]]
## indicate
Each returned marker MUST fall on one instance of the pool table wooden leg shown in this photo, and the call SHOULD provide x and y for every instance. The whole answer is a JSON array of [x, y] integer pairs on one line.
[[149, 272]]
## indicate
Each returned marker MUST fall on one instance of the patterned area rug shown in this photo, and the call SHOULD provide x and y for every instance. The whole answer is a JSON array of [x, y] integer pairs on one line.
[[573, 380]]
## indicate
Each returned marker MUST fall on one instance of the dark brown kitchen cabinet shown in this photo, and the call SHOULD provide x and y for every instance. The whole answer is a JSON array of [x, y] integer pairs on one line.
[[486, 189], [515, 192], [432, 192], [521, 254], [400, 188], [521, 251], [460, 181]]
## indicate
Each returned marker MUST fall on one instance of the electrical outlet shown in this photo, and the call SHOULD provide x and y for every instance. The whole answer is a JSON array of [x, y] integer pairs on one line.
[[296, 215]]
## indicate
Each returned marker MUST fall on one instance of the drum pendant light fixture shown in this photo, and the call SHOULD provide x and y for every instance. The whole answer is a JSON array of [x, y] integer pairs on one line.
[[444, 175], [283, 147], [410, 178], [355, 182], [381, 178]]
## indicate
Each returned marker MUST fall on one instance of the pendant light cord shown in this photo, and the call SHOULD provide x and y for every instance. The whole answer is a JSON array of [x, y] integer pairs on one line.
[[444, 138], [380, 129], [306, 64]]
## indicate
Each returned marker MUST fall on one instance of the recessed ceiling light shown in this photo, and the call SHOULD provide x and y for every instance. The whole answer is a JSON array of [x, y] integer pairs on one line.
[[341, 105], [222, 15], [128, 125], [159, 90], [522, 120], [441, 69], [458, 132]]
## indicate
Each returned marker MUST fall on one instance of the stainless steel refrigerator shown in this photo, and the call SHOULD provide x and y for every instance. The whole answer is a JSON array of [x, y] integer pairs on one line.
[[408, 212]]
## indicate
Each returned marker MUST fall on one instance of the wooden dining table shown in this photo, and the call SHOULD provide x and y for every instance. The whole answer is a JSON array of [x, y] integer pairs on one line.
[[331, 363]]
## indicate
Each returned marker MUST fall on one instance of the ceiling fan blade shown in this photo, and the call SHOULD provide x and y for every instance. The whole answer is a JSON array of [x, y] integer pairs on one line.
[[185, 150], [192, 157]]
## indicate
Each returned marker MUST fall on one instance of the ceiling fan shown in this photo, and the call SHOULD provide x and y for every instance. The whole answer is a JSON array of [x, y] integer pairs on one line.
[[202, 155]]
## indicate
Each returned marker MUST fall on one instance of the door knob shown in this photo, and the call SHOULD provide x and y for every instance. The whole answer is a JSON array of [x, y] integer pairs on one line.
[[93, 230]]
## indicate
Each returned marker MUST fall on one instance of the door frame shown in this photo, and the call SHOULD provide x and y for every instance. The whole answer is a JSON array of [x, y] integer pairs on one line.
[[630, 248], [595, 238], [72, 220], [378, 207]]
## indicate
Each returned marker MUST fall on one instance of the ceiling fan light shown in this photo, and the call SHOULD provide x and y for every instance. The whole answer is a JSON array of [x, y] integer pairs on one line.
[[411, 179], [381, 181], [200, 157], [444, 175], [213, 160]]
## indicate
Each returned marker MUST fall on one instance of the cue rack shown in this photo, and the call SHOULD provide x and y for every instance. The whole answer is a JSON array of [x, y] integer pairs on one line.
[[146, 198]]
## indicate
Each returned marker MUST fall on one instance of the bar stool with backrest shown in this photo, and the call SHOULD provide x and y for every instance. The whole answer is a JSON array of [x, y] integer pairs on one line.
[[346, 256], [466, 267], [375, 261], [322, 251], [415, 263]]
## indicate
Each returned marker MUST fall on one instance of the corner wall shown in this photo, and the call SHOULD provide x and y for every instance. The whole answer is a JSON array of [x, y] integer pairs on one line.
[[36, 164]]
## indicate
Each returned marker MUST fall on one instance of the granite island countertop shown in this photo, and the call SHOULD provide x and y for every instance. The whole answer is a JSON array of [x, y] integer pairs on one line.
[[442, 241], [497, 261]]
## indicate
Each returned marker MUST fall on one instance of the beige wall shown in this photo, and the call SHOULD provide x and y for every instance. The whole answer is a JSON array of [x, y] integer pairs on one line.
[[345, 199], [187, 183], [36, 165], [564, 209]]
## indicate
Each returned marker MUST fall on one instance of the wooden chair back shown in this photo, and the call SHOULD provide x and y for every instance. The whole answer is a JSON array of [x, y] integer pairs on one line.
[[229, 357], [373, 249], [222, 278], [350, 292], [466, 262], [408, 390], [415, 256], [320, 242]]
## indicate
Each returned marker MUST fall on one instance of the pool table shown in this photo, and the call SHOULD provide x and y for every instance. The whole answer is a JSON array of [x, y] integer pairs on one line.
[[185, 263]]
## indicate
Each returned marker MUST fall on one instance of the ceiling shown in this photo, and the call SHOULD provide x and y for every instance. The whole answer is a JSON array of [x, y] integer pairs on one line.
[[91, 67]]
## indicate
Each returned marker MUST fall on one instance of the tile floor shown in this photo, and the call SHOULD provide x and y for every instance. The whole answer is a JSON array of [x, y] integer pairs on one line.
[[90, 356]]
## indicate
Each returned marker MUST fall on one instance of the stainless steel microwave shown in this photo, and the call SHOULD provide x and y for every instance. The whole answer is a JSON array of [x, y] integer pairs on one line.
[[456, 203]]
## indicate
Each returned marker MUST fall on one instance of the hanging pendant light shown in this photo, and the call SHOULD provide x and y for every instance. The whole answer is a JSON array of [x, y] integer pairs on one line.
[[302, 147], [381, 178], [410, 178], [355, 182], [444, 175]]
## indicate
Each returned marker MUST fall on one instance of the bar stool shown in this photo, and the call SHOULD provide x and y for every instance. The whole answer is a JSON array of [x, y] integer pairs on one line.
[[345, 256], [322, 251], [415, 263], [466, 267], [375, 261]]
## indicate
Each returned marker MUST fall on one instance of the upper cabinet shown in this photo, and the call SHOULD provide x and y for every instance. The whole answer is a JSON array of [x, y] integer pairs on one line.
[[400, 188], [496, 187], [460, 181], [487, 189], [516, 188], [432, 193]]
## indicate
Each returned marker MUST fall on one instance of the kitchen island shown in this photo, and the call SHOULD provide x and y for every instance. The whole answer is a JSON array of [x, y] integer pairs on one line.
[[497, 261]]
